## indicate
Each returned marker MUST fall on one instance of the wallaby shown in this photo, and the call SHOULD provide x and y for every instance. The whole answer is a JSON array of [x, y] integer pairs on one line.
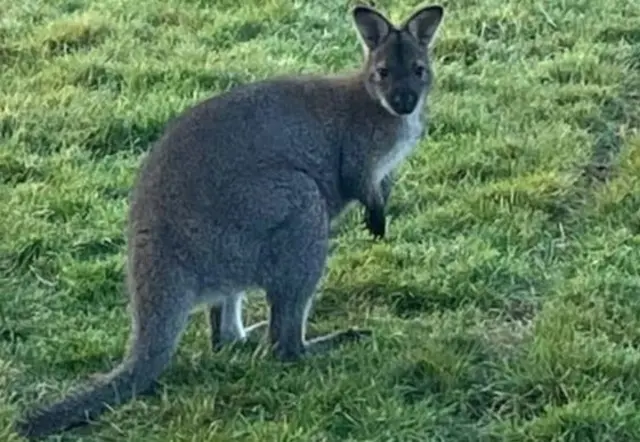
[[239, 193]]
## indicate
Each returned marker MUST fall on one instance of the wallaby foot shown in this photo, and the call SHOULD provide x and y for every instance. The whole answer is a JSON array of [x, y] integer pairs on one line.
[[226, 325], [291, 346], [256, 329], [250, 334], [324, 343]]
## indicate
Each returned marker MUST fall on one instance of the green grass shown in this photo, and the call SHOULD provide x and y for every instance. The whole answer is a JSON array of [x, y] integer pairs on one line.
[[505, 301]]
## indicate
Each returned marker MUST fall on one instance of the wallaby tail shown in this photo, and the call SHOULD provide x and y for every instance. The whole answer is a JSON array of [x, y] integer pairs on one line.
[[131, 377]]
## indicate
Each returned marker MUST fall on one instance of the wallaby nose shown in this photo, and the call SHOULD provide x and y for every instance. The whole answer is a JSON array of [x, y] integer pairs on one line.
[[403, 102]]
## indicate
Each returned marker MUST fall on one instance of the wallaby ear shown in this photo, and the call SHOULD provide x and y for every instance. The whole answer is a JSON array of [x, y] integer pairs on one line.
[[424, 23], [372, 26]]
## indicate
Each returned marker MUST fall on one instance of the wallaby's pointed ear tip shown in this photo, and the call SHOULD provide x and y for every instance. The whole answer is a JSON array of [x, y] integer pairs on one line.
[[362, 9], [432, 9], [424, 22], [438, 9]]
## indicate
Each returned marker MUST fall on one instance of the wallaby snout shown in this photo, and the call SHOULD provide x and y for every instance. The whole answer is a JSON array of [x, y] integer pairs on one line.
[[403, 101]]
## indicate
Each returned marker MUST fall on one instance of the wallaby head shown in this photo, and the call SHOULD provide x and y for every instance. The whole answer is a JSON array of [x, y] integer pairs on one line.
[[397, 70]]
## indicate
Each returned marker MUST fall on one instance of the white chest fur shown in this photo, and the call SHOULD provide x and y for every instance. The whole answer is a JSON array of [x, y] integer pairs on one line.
[[408, 137]]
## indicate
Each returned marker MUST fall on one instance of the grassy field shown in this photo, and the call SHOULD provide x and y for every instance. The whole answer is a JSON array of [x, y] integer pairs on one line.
[[505, 300]]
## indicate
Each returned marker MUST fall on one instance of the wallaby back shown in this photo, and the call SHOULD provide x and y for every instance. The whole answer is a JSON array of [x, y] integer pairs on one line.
[[238, 194]]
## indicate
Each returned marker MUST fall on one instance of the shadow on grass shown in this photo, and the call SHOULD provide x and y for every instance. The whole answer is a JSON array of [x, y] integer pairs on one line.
[[505, 292], [15, 171]]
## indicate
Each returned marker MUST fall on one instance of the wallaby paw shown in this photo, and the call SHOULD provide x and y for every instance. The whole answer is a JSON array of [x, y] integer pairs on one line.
[[375, 223]]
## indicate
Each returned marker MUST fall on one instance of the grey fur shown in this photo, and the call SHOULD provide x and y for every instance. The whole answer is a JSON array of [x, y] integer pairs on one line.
[[239, 193]]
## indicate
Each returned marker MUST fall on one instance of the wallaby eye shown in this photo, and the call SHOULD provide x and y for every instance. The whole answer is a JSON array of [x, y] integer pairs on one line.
[[419, 70], [382, 72]]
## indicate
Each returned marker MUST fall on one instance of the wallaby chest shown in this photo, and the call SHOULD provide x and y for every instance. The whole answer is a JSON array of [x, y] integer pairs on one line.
[[407, 137]]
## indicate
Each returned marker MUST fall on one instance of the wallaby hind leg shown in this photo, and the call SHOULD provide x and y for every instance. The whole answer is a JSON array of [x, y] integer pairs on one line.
[[293, 265], [226, 325]]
